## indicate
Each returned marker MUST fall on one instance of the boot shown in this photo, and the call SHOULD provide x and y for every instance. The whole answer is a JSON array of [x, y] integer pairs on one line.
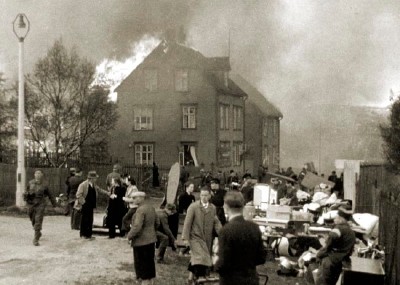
[[38, 234], [161, 253]]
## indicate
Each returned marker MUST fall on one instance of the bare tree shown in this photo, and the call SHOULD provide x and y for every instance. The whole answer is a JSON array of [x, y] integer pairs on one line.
[[8, 111], [63, 110]]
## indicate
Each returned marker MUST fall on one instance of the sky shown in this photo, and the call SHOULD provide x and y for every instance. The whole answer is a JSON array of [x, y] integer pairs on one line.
[[297, 53]]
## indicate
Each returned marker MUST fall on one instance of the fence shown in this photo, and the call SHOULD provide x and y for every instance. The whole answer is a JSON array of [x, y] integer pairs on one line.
[[378, 193], [56, 178]]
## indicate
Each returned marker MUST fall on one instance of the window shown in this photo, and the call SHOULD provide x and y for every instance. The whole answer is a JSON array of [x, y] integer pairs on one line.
[[275, 156], [151, 79], [265, 127], [143, 118], [224, 116], [265, 156], [144, 154], [224, 157], [181, 80], [189, 117], [188, 154], [237, 117], [275, 127], [237, 152]]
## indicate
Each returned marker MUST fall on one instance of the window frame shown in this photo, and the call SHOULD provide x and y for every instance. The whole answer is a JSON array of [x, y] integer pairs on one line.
[[143, 109], [237, 118], [181, 76], [224, 110], [189, 106], [237, 151], [225, 147], [141, 152]]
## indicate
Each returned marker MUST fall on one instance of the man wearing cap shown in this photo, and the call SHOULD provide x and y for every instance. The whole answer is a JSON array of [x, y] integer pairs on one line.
[[85, 202], [338, 248], [241, 246], [115, 174], [217, 198], [143, 238], [74, 182], [164, 233], [72, 172], [34, 196]]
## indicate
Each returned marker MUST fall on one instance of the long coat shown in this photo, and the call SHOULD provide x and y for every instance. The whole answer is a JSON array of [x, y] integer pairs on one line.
[[199, 228]]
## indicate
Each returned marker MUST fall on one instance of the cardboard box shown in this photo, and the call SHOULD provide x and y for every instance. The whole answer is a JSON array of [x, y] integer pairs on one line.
[[302, 216], [280, 212]]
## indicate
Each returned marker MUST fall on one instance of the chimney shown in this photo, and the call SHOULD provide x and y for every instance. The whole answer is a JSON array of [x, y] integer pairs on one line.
[[175, 35]]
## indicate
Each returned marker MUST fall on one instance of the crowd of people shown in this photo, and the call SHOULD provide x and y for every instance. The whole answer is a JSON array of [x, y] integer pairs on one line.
[[214, 229]]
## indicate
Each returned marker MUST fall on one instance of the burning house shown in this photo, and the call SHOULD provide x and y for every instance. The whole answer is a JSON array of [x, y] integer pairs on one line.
[[179, 105]]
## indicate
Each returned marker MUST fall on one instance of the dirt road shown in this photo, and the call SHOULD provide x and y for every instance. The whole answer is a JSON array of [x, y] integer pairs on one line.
[[62, 257]]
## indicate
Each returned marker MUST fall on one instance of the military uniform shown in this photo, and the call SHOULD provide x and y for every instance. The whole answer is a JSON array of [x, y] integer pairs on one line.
[[338, 249], [35, 198]]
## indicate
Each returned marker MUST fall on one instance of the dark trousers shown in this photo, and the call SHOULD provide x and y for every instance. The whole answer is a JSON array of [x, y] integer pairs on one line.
[[163, 241], [328, 272], [143, 258], [199, 270], [36, 214], [86, 222]]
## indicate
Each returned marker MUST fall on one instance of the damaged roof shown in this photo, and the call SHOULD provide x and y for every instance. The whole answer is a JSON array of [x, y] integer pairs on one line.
[[256, 97]]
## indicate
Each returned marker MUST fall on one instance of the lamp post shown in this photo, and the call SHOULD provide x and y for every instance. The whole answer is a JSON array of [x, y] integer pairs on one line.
[[21, 27]]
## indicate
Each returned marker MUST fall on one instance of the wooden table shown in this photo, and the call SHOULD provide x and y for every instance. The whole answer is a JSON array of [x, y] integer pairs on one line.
[[363, 271]]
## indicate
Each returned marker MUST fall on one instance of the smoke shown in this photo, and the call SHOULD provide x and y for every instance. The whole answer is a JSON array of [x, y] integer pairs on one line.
[[309, 51], [300, 54], [99, 29]]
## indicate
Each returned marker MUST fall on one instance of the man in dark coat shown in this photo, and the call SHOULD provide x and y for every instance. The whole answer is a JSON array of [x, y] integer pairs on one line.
[[241, 247], [74, 182], [116, 173], [217, 198], [156, 174], [69, 207], [338, 248], [35, 197]]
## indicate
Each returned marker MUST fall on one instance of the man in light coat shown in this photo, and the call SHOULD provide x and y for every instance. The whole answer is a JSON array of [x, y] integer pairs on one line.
[[85, 202], [200, 226]]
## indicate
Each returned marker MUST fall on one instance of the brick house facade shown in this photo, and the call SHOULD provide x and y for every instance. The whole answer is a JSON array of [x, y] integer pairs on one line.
[[179, 105]]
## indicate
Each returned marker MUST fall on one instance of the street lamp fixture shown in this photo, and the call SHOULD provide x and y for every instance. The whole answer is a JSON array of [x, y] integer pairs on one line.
[[21, 26]]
